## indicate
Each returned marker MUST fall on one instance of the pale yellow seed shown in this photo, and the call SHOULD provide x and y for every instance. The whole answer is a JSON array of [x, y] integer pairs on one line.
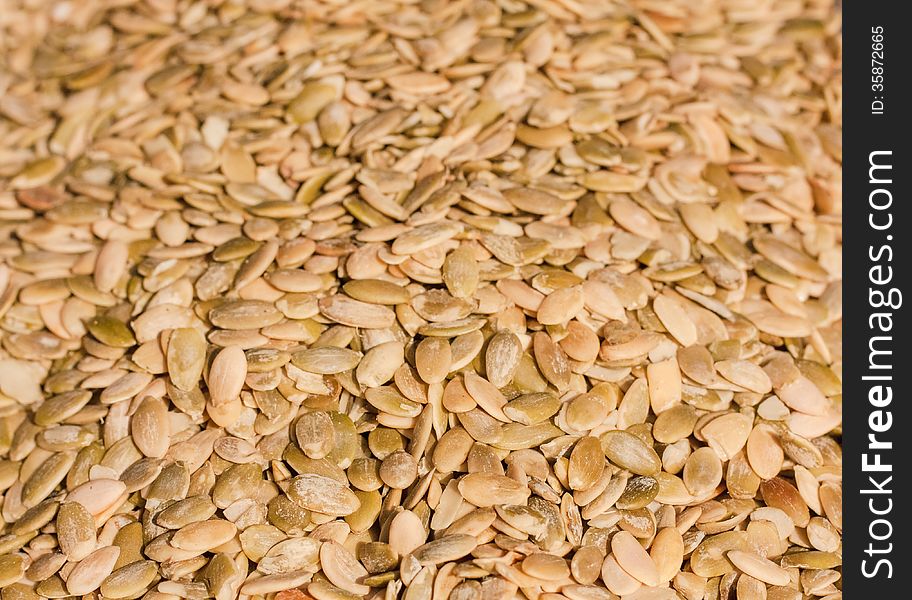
[[150, 429], [226, 375], [759, 567], [88, 574], [560, 306]]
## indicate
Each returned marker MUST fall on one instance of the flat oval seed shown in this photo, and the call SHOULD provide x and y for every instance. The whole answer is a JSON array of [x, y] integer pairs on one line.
[[581, 342], [433, 358], [452, 450], [399, 470], [759, 567], [667, 552], [675, 319], [586, 464], [342, 568], [664, 384], [617, 579], [149, 428], [546, 566], [486, 395], [631, 556], [727, 434], [111, 332], [702, 472], [376, 291], [530, 409], [630, 452], [696, 362], [406, 533], [315, 434], [390, 401], [586, 564], [323, 495], [130, 580], [185, 512], [634, 218], [445, 549], [244, 314], [461, 273], [75, 531], [204, 535], [98, 495], [488, 489], [710, 557], [380, 364], [227, 375], [89, 573], [110, 264], [700, 220], [534, 201], [502, 358], [327, 360], [310, 101], [764, 452], [779, 493], [674, 424], [355, 313], [745, 374], [560, 306], [586, 411], [12, 568], [186, 357], [639, 493], [59, 408]]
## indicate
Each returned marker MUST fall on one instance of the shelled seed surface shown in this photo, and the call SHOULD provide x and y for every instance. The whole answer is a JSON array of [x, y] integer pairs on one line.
[[468, 299]]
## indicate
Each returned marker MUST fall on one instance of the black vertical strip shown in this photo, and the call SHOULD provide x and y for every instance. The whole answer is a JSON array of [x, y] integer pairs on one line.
[[877, 438]]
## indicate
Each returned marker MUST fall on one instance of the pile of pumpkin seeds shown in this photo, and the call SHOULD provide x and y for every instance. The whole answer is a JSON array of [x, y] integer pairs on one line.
[[420, 299]]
